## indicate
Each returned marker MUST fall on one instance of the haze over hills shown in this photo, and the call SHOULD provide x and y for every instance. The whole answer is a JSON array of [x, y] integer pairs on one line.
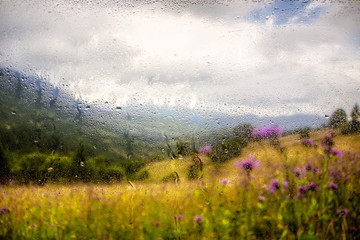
[[147, 121]]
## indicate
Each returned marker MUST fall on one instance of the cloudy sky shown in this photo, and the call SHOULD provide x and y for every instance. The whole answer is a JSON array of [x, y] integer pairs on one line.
[[270, 58]]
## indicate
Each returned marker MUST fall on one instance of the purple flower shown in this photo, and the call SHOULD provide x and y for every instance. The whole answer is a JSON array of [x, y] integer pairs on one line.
[[333, 186], [337, 152], [328, 142], [225, 181], [353, 229], [157, 223], [181, 216], [4, 210], [297, 172], [248, 164], [205, 150], [198, 219], [274, 186], [308, 143], [308, 167], [175, 216], [267, 132], [302, 189], [262, 198], [285, 183], [312, 186], [344, 211]]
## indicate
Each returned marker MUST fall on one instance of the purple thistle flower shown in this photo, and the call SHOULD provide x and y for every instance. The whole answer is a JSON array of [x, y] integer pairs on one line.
[[180, 216], [328, 142], [274, 186], [333, 186], [308, 143], [225, 181], [198, 219], [353, 229], [262, 198], [337, 152], [175, 216], [297, 172], [156, 223], [312, 186], [285, 183], [267, 132], [302, 189], [4, 210], [205, 150], [248, 164], [308, 167], [344, 211]]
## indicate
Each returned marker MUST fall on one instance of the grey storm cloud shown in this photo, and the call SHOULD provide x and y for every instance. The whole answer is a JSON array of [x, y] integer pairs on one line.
[[208, 55]]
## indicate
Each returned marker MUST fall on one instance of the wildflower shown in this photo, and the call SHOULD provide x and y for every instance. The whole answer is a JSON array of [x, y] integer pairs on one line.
[[156, 223], [180, 216], [248, 164], [262, 198], [274, 186], [285, 183], [337, 152], [312, 186], [225, 181], [333, 186], [198, 219], [308, 143], [297, 172], [344, 211], [267, 132], [353, 229], [205, 150], [4, 210], [328, 142], [302, 189], [308, 167]]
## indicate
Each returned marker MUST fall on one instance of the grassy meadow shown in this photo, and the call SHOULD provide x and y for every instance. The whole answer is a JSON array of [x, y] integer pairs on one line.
[[290, 191]]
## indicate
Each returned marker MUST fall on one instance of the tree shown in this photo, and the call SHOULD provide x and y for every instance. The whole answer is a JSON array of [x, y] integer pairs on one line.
[[355, 116], [338, 118], [4, 167]]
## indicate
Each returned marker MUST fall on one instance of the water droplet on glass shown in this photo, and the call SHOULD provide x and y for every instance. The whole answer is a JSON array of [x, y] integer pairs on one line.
[[82, 164], [50, 169], [13, 113]]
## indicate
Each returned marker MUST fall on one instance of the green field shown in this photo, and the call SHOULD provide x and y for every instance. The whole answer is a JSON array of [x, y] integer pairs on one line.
[[315, 196]]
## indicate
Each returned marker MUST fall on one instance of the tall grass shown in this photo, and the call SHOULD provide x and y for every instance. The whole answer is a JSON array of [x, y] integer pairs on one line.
[[296, 193]]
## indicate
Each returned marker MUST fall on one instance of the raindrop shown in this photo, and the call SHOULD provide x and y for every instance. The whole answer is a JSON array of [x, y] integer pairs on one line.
[[326, 116], [50, 169], [82, 164], [118, 108], [13, 112]]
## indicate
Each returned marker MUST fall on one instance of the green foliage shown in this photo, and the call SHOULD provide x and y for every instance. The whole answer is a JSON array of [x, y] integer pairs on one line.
[[338, 118], [243, 132], [131, 167], [4, 166], [227, 149], [170, 178], [183, 148], [304, 132]]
